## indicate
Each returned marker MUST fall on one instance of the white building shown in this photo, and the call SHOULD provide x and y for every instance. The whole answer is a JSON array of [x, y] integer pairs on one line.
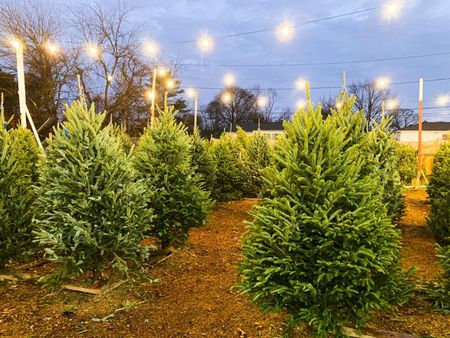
[[432, 132]]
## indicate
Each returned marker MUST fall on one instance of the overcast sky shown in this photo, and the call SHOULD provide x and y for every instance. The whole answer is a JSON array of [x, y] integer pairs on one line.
[[422, 28]]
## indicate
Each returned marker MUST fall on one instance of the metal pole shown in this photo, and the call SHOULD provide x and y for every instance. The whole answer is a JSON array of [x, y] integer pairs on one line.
[[419, 144], [152, 107], [21, 83], [195, 109]]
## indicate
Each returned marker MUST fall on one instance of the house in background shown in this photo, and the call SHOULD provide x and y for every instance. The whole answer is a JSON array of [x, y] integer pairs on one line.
[[434, 132], [271, 130]]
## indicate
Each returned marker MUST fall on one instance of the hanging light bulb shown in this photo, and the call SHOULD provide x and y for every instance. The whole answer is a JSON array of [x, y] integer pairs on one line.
[[285, 31], [229, 80], [301, 104], [205, 43], [227, 97], [262, 101]]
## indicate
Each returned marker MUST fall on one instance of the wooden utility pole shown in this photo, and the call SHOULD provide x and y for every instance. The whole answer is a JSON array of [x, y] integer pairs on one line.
[[195, 108], [152, 107], [419, 143]]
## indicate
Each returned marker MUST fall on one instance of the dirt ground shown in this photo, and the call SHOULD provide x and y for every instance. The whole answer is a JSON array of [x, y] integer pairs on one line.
[[194, 296]]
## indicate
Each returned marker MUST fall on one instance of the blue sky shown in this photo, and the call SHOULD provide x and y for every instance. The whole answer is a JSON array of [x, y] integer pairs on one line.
[[422, 28]]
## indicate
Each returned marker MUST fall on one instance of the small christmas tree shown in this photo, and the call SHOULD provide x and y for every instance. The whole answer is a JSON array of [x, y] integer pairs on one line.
[[230, 177], [18, 161], [203, 161], [321, 246], [91, 210], [439, 195], [163, 159], [407, 162], [257, 159]]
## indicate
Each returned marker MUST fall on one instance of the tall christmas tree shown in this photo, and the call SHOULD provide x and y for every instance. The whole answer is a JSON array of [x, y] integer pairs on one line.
[[18, 161], [163, 159], [321, 246], [91, 210], [439, 195], [257, 159]]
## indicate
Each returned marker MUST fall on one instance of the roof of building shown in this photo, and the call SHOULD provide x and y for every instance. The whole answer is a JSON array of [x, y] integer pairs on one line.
[[251, 126], [433, 126]]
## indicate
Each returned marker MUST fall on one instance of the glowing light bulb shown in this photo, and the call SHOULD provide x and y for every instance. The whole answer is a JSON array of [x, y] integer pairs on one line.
[[170, 84], [382, 82], [338, 105], [205, 43], [226, 97], [262, 101], [191, 92], [285, 31], [93, 51], [392, 104], [51, 48], [110, 78], [301, 104], [162, 71], [391, 10], [151, 48], [229, 80], [149, 95], [15, 43], [443, 100], [300, 84]]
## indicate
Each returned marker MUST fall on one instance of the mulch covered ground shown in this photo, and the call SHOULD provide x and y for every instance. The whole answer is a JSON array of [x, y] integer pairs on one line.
[[194, 295]]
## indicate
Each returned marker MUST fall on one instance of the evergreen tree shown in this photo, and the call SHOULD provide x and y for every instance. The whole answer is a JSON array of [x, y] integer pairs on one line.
[[439, 293], [321, 246], [91, 210], [163, 159], [407, 162], [257, 159], [439, 195], [378, 146], [18, 160], [203, 161], [230, 177]]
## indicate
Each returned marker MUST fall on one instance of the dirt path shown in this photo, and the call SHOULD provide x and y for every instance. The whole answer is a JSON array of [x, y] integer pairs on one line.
[[194, 295]]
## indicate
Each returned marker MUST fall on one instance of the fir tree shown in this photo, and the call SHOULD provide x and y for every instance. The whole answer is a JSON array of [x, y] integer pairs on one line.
[[91, 210], [18, 160], [407, 162], [439, 195], [163, 159], [230, 177], [321, 246], [203, 161], [257, 159], [439, 293]]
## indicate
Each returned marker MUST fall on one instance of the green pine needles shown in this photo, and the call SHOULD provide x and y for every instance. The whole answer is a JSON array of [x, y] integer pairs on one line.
[[321, 246], [203, 160], [439, 195], [230, 177], [91, 209], [18, 161], [163, 159]]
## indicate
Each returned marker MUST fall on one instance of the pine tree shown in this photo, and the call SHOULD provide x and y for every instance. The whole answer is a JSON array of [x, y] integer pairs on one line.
[[439, 195], [407, 162], [439, 293], [378, 145], [230, 177], [91, 210], [257, 159], [321, 246], [18, 160], [163, 159], [203, 161]]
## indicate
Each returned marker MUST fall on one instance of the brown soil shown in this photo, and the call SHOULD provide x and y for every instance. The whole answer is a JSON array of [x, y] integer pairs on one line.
[[194, 295]]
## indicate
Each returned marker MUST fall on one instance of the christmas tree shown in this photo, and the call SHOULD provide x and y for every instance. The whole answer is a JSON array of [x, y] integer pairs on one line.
[[257, 159], [164, 160], [321, 246], [439, 195], [203, 161], [230, 176], [91, 210], [18, 160], [439, 293]]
